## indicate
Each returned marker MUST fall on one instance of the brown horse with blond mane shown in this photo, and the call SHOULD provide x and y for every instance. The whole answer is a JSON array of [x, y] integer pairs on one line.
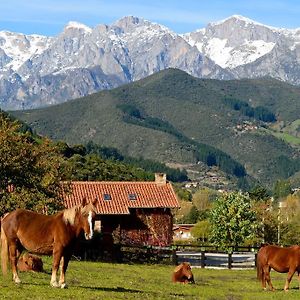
[[42, 234], [281, 259]]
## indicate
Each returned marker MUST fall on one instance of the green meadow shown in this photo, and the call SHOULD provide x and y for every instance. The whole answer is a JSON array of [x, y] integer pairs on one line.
[[96, 280]]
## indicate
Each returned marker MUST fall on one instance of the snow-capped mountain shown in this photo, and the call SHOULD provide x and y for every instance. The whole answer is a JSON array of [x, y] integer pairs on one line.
[[37, 70], [234, 41], [16, 48], [250, 49]]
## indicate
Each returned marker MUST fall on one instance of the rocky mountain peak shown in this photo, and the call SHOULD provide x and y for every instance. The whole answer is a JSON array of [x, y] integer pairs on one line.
[[138, 26], [82, 60], [129, 21], [238, 19], [237, 29]]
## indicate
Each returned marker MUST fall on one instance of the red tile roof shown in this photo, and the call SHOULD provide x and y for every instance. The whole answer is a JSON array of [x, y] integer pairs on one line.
[[148, 195]]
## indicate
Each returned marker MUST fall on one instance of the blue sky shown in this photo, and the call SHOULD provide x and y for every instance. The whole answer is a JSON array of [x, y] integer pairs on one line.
[[48, 17]]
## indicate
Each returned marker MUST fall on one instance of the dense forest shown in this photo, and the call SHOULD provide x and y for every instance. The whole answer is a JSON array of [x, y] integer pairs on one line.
[[260, 113], [121, 167]]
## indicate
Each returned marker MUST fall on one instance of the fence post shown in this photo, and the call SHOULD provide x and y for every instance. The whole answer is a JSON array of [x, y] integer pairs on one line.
[[202, 263], [229, 260], [174, 257]]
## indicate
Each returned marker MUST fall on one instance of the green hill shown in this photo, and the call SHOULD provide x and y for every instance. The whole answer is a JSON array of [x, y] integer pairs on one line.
[[173, 117]]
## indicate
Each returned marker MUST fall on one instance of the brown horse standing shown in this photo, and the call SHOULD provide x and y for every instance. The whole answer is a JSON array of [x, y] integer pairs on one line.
[[42, 234], [283, 260]]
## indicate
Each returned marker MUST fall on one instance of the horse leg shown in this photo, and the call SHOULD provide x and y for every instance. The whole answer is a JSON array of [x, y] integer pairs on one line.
[[267, 276], [263, 280], [288, 279], [13, 260], [64, 265], [57, 254]]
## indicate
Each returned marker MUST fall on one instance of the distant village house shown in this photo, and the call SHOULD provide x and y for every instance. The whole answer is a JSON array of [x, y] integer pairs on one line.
[[182, 231]]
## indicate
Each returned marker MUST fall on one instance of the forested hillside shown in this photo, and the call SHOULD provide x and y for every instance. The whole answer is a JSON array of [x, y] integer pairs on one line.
[[172, 117]]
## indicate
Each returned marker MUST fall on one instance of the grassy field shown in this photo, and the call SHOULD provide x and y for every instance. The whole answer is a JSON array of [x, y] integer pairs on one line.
[[288, 138], [94, 280]]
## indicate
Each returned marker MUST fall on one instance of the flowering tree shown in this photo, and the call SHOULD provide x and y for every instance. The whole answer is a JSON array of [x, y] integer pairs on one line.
[[232, 220]]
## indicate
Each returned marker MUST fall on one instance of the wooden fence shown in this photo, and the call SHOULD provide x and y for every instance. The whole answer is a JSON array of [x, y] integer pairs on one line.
[[198, 256], [240, 260], [212, 257]]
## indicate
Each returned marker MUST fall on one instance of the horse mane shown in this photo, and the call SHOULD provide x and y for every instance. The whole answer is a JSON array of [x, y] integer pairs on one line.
[[181, 266], [87, 208], [69, 214], [178, 268]]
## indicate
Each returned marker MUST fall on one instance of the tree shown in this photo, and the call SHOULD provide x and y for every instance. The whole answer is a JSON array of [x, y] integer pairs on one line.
[[259, 193], [202, 199], [281, 189], [183, 194], [192, 217], [267, 216], [93, 167], [201, 230], [232, 220], [267, 220], [289, 216], [29, 170]]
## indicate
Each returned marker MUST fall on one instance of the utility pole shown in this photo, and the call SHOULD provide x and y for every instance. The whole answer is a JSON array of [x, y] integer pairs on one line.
[[278, 229], [280, 206]]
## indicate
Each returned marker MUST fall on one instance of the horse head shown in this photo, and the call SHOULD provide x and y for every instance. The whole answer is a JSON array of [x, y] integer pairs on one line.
[[87, 213]]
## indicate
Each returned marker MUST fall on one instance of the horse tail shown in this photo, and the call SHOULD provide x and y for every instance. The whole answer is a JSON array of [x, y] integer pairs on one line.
[[4, 251], [259, 267]]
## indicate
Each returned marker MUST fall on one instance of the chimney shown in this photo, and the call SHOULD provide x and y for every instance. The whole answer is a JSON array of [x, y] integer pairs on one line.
[[160, 178]]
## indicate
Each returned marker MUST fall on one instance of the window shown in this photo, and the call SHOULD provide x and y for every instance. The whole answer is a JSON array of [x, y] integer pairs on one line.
[[132, 196], [106, 197]]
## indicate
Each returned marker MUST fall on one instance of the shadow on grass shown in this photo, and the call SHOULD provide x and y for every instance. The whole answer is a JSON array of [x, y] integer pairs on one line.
[[101, 288], [124, 290], [280, 290], [92, 288], [104, 289], [32, 283], [108, 289]]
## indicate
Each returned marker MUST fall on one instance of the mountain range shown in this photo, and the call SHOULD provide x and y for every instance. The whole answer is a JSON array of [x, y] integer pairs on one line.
[[37, 71]]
